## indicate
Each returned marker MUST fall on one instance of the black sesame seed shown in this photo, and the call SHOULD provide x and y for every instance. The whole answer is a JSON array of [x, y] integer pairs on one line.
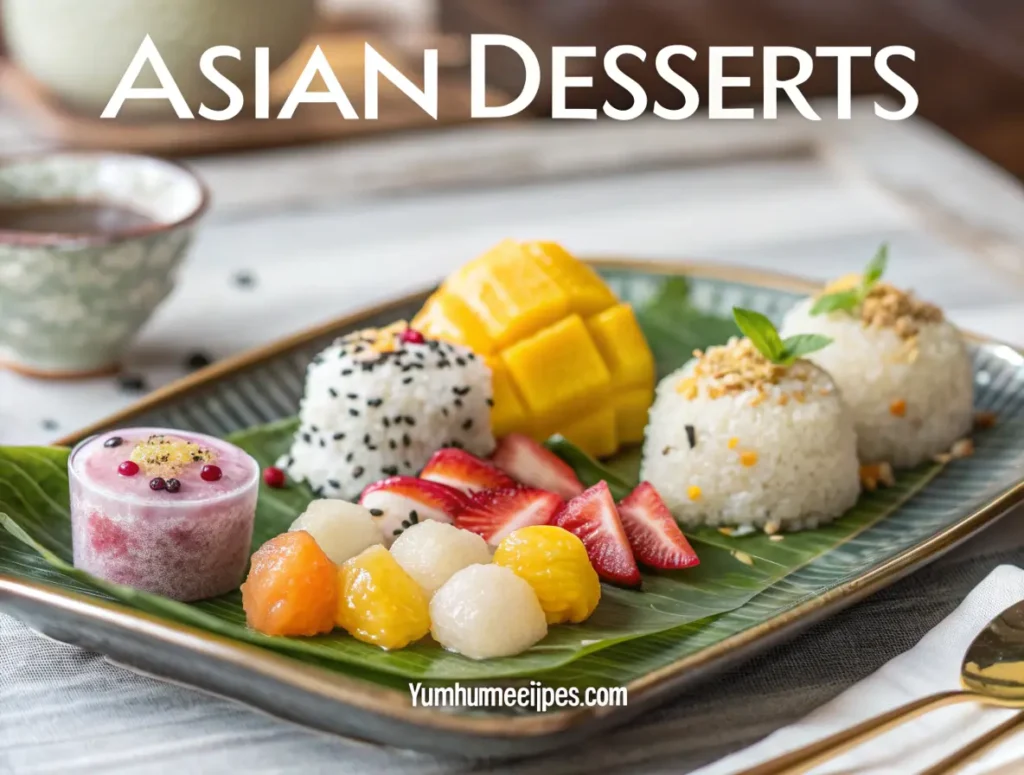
[[414, 517], [349, 457], [346, 372], [444, 410], [406, 523], [366, 439], [323, 442], [374, 401], [157, 484], [353, 396], [371, 447], [334, 483], [357, 472], [409, 420], [691, 435], [131, 383], [307, 438], [468, 424], [406, 441], [197, 360], [392, 444], [389, 470], [456, 444], [407, 464], [319, 492], [387, 423], [354, 412], [666, 450], [406, 380], [314, 429], [338, 436], [471, 356], [396, 532], [376, 512], [461, 361], [333, 392], [173, 485], [461, 391], [490, 402], [113, 441]]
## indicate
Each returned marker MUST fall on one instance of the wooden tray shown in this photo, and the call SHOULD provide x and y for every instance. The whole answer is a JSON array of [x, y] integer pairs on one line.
[[311, 123]]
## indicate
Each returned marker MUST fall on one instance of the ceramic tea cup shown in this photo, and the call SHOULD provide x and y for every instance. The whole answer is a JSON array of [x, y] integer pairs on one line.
[[80, 49], [90, 244]]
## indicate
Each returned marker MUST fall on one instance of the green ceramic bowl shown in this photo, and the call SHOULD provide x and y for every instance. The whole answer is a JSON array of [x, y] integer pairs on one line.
[[71, 303]]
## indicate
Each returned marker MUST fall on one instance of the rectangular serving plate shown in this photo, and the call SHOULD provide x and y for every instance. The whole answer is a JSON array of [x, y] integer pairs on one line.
[[343, 704]]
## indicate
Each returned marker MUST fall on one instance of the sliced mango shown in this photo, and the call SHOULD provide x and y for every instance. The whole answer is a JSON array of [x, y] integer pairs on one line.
[[631, 413], [622, 345], [565, 356], [558, 367], [509, 294], [594, 432], [587, 292], [508, 413]]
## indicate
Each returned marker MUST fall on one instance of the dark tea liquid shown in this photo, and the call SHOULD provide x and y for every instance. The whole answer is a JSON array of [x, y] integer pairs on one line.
[[70, 216]]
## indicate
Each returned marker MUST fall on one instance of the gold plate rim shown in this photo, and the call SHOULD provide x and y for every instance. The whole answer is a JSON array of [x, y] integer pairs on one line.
[[350, 691]]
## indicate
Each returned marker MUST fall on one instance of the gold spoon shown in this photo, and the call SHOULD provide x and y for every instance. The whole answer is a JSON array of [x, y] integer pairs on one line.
[[992, 673]]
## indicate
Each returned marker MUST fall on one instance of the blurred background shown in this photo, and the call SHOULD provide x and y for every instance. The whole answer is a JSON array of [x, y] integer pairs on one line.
[[969, 69]]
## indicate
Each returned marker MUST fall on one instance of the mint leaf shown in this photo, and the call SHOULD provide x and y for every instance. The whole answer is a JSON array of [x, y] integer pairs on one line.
[[841, 300], [797, 346], [875, 269], [760, 331]]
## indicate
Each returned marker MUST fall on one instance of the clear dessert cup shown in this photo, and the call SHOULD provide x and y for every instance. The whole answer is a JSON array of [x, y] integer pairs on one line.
[[165, 511]]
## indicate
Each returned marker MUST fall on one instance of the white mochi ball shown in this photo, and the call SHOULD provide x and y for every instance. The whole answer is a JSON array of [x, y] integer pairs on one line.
[[486, 611], [340, 528], [432, 552]]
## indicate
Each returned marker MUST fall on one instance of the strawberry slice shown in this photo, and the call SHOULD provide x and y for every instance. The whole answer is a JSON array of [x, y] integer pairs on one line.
[[592, 518], [399, 502], [466, 473], [654, 535], [494, 514], [532, 465]]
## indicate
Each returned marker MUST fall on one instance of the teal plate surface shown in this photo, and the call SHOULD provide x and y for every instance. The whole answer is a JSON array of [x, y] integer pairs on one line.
[[265, 386]]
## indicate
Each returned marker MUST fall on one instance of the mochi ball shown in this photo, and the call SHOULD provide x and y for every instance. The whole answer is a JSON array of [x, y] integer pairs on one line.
[[486, 611], [340, 528], [432, 552]]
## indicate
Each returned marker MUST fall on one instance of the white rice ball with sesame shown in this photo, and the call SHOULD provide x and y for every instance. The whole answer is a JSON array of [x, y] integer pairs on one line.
[[782, 457], [486, 611], [432, 552], [911, 397], [377, 405]]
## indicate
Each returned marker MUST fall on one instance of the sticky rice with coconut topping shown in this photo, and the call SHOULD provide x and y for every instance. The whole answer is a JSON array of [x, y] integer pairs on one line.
[[903, 369], [735, 438], [379, 402]]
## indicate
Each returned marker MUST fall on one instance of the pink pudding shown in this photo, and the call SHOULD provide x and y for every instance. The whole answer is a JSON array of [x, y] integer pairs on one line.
[[164, 511]]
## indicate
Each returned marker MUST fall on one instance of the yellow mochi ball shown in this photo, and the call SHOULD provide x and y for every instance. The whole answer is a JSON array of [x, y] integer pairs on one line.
[[554, 563]]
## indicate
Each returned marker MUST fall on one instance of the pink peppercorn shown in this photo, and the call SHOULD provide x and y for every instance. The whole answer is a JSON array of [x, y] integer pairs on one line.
[[412, 336], [211, 473], [128, 468]]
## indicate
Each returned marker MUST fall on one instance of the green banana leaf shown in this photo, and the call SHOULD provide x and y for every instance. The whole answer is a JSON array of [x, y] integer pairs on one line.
[[740, 582], [34, 502]]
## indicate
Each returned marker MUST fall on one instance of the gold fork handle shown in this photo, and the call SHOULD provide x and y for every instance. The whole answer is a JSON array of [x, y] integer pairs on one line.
[[804, 759], [973, 750]]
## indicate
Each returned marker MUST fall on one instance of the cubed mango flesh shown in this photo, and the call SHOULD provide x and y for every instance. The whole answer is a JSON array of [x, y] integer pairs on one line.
[[622, 346], [565, 356]]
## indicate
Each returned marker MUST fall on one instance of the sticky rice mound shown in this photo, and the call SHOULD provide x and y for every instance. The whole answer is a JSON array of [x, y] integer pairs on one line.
[[903, 370], [734, 439], [376, 405]]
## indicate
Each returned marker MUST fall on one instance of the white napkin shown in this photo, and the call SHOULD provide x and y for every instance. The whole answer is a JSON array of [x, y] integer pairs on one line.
[[933, 665]]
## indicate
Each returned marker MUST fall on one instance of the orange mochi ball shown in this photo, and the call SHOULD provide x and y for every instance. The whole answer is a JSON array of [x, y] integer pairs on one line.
[[291, 588]]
